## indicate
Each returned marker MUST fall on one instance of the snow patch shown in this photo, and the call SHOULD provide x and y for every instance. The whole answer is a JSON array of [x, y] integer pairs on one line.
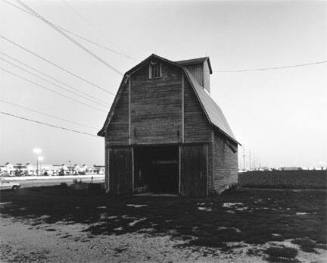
[[206, 209], [301, 213], [276, 235], [136, 221], [231, 205], [135, 206], [232, 228]]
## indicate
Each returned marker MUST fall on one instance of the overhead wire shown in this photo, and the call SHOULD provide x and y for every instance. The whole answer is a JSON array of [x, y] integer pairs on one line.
[[55, 65], [275, 67], [51, 90], [46, 114], [46, 124], [70, 38], [218, 71], [76, 34], [52, 83], [51, 77]]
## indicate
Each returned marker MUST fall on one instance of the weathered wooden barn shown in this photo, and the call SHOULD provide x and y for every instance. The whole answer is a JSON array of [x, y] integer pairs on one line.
[[165, 134]]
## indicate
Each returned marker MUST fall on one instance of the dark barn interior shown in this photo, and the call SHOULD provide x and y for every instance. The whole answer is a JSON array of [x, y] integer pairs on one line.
[[156, 169]]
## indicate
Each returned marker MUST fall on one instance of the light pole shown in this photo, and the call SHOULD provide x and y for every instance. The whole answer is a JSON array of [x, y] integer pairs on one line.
[[37, 151], [40, 159]]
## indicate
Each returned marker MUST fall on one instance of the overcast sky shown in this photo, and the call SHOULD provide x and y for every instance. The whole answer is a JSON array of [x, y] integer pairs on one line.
[[279, 114]]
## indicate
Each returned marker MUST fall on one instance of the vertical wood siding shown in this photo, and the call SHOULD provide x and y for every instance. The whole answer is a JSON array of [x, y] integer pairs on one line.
[[206, 76], [156, 106], [225, 164], [120, 170], [194, 164], [117, 132], [197, 71], [196, 126]]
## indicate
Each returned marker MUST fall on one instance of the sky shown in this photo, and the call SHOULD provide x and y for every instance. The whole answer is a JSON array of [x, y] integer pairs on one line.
[[279, 116]]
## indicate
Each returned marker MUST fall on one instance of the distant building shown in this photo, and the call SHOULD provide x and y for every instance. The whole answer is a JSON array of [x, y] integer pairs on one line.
[[98, 169], [290, 168], [8, 169]]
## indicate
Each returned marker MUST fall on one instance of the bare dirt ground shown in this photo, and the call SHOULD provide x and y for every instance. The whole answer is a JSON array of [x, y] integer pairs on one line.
[[60, 224]]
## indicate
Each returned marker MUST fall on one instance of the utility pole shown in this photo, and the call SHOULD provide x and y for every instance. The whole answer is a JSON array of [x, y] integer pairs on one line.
[[250, 166], [243, 158], [37, 166]]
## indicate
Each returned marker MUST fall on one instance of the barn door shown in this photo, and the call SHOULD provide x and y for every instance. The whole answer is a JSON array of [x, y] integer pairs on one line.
[[194, 170], [120, 170]]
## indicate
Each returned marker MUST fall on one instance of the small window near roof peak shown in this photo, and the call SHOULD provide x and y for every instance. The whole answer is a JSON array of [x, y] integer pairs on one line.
[[154, 70]]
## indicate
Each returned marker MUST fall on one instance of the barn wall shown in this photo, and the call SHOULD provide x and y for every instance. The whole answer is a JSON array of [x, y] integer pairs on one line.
[[120, 170], [225, 164], [197, 71], [196, 126], [106, 163], [117, 132], [194, 169], [156, 106], [206, 76]]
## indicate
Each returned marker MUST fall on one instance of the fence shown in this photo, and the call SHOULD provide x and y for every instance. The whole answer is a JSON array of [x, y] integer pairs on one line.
[[284, 179]]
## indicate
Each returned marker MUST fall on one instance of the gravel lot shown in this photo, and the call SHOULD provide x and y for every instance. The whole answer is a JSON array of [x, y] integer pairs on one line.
[[61, 224]]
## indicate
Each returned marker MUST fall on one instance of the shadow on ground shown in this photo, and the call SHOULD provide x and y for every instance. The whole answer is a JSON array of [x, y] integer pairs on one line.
[[254, 217]]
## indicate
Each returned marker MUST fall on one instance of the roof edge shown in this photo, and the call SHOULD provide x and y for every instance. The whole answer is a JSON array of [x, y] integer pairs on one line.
[[195, 61]]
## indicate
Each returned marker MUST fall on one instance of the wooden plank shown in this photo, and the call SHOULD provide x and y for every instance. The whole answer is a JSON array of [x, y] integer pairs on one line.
[[197, 71], [207, 168], [106, 154], [196, 126], [183, 109], [129, 112], [120, 170], [179, 169], [156, 106], [117, 131], [194, 170], [225, 164], [133, 166]]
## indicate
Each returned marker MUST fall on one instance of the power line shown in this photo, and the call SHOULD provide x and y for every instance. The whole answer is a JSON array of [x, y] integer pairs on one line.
[[276, 67], [50, 77], [52, 83], [46, 124], [76, 34], [97, 44], [218, 71], [45, 114], [81, 17], [55, 65], [54, 91], [70, 38]]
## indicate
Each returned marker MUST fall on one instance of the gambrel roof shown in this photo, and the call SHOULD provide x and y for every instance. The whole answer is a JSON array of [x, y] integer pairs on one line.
[[212, 111]]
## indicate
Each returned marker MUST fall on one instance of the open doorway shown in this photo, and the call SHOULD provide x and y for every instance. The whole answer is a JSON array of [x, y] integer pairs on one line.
[[156, 169]]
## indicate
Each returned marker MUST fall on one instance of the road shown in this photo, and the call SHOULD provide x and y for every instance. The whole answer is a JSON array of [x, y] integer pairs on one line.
[[34, 181]]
